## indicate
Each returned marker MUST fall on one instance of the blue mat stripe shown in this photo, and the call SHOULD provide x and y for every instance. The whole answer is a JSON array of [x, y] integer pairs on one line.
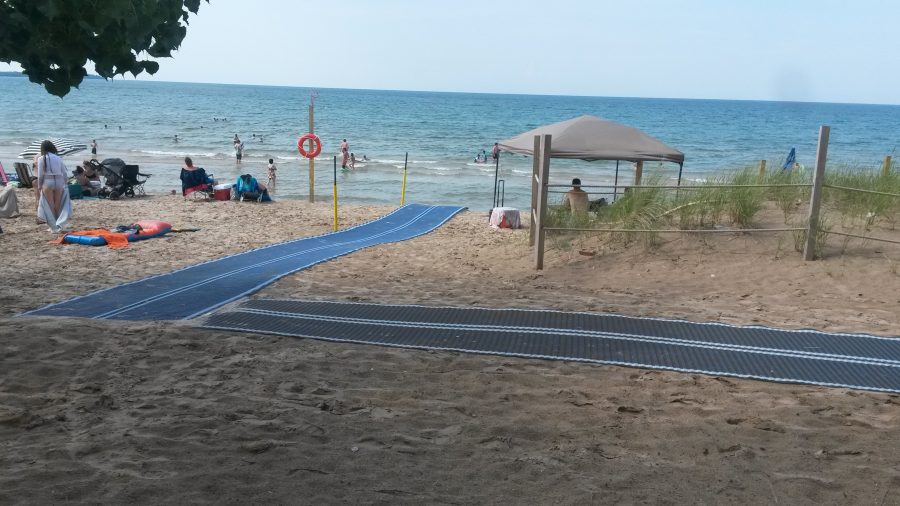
[[198, 289], [345, 322]]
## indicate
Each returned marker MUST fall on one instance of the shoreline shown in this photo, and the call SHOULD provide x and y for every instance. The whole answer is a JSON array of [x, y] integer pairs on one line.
[[151, 412]]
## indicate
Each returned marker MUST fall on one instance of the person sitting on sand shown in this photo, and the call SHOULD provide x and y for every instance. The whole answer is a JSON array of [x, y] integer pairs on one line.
[[82, 179], [90, 171], [576, 199]]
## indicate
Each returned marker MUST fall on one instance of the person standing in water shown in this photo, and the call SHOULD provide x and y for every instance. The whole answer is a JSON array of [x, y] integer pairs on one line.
[[345, 154], [270, 174], [238, 148]]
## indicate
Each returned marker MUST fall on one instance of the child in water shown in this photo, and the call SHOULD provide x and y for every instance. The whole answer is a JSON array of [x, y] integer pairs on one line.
[[270, 174]]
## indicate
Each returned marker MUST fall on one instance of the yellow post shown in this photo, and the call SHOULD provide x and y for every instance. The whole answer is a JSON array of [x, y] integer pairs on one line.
[[334, 195], [762, 170], [312, 163], [403, 188], [886, 168]]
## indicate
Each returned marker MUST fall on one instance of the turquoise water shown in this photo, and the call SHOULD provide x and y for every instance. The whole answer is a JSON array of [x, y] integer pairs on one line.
[[442, 132]]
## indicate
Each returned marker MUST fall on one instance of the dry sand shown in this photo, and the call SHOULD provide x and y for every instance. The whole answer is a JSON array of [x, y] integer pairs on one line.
[[164, 413]]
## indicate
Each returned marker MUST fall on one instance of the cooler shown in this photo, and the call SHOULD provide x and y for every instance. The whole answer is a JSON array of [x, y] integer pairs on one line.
[[222, 193]]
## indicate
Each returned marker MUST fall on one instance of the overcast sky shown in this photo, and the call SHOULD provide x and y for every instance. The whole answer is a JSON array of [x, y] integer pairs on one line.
[[824, 51]]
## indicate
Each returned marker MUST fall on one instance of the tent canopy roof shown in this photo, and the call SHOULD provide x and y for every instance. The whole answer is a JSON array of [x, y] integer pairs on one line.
[[591, 138]]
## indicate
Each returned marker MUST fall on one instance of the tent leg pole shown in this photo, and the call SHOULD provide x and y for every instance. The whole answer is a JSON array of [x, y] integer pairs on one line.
[[616, 183], [535, 170], [496, 175], [542, 203]]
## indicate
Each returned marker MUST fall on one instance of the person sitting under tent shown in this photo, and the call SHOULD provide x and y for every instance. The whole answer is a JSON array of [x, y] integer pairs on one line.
[[576, 199]]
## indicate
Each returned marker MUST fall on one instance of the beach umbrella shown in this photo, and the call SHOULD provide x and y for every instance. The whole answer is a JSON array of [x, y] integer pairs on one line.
[[789, 161], [63, 147]]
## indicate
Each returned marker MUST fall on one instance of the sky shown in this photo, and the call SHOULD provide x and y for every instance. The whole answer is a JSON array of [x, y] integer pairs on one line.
[[788, 50]]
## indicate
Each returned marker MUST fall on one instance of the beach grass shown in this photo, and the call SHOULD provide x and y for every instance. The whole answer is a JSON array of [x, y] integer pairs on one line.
[[858, 208], [729, 199]]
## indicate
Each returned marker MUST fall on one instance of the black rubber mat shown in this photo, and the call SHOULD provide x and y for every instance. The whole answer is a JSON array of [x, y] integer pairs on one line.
[[792, 356]]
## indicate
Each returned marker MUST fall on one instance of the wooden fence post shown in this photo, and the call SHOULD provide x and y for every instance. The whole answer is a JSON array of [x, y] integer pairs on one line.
[[762, 171], [535, 172], [638, 172], [815, 199], [886, 168], [542, 203]]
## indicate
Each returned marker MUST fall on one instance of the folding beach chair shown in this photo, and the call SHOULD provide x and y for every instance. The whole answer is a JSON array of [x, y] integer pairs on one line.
[[26, 180], [196, 183], [134, 185]]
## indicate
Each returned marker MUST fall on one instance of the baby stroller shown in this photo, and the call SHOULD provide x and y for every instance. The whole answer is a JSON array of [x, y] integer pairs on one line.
[[121, 179]]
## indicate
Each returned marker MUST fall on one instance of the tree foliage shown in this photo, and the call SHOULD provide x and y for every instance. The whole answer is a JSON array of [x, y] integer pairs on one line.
[[54, 39]]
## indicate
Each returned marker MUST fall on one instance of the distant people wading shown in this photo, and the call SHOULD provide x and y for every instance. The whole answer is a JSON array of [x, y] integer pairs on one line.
[[94, 147], [238, 148], [345, 154]]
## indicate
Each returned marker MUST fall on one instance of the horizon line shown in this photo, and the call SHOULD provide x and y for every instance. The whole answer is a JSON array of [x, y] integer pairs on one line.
[[533, 94]]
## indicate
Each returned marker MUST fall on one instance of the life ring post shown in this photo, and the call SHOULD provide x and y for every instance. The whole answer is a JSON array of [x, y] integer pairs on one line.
[[315, 146]]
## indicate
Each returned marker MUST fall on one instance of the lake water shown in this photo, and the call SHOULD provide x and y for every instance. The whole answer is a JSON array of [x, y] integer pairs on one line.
[[441, 132]]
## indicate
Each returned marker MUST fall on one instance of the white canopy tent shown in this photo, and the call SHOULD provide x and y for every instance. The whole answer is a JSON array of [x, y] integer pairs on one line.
[[586, 138]]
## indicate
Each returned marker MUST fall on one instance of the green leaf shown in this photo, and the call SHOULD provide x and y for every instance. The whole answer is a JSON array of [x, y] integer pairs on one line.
[[53, 39]]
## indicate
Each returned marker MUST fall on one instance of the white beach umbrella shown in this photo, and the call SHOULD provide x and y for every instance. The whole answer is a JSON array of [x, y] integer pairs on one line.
[[63, 147]]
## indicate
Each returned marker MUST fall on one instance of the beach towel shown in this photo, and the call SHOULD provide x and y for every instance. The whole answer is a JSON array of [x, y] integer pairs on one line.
[[118, 237], [45, 213], [9, 203], [113, 239]]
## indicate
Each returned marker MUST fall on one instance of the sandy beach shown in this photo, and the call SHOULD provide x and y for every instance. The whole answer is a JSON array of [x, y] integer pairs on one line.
[[165, 413]]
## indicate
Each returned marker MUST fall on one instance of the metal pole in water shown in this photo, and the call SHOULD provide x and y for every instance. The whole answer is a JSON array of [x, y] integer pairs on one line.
[[403, 187]]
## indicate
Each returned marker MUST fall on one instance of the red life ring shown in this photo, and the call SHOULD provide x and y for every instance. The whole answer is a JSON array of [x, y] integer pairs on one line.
[[316, 149]]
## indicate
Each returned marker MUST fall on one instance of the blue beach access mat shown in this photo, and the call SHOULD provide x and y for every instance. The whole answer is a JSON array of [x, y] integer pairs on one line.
[[198, 289], [790, 356]]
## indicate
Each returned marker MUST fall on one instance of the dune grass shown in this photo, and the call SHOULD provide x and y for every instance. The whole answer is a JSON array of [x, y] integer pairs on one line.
[[703, 206], [867, 208]]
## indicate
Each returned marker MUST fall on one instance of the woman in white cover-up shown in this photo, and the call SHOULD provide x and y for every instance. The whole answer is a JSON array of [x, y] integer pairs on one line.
[[54, 206]]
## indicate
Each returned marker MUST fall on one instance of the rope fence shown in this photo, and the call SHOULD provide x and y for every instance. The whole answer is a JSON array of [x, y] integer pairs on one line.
[[873, 192], [675, 230]]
